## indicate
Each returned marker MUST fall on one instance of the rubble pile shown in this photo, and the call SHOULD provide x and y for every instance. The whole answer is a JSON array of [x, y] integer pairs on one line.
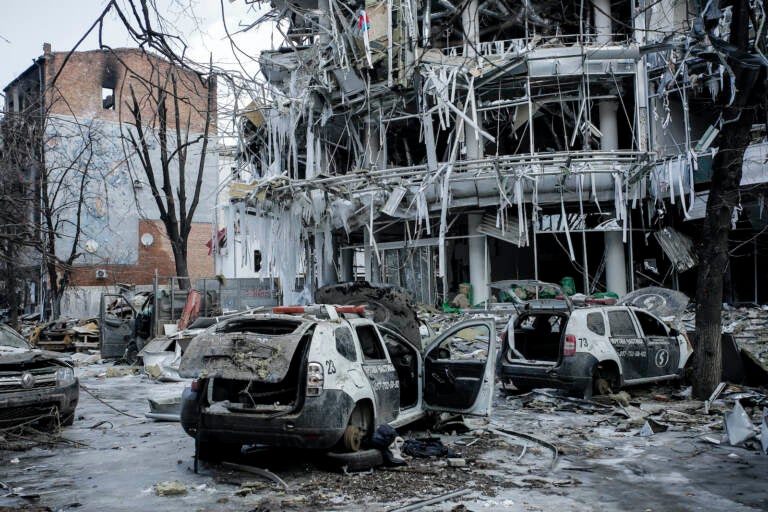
[[733, 416], [64, 334], [749, 327]]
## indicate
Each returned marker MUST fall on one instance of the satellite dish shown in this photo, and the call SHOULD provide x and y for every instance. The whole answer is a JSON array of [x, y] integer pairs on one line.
[[91, 246], [147, 239]]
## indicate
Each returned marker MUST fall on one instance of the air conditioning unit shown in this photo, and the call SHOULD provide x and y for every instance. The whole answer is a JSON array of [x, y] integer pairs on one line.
[[101, 273]]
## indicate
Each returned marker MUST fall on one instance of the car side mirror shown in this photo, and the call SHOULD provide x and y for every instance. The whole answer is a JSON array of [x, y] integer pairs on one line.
[[674, 333]]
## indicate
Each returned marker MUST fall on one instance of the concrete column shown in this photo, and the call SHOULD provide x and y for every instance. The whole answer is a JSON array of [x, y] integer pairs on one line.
[[470, 20], [326, 271], [375, 149], [615, 263], [603, 21], [478, 261], [367, 254], [347, 265], [324, 10], [615, 266], [608, 110]]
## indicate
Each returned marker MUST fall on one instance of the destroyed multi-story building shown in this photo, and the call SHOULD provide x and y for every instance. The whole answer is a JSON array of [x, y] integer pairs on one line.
[[73, 110], [426, 143]]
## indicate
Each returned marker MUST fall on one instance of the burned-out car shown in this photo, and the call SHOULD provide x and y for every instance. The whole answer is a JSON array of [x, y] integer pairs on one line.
[[35, 386], [551, 343], [324, 377]]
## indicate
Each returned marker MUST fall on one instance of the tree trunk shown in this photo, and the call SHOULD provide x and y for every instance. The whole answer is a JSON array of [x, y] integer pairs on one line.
[[713, 249], [180, 259]]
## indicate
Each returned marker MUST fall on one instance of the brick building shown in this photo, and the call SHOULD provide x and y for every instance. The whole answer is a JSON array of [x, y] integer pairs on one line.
[[78, 111]]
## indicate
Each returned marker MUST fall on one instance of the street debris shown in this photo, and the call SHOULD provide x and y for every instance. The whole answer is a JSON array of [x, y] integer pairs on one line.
[[65, 334], [738, 426], [432, 501], [170, 488], [265, 473], [164, 409]]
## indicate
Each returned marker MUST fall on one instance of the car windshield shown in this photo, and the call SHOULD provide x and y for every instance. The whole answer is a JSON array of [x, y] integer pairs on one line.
[[8, 338]]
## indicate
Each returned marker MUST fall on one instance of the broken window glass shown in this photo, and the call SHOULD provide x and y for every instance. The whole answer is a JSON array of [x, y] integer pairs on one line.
[[596, 323], [621, 323], [370, 343], [344, 344], [649, 325]]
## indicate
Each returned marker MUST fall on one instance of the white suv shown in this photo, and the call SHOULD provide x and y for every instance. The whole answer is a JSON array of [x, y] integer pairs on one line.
[[590, 348], [324, 377]]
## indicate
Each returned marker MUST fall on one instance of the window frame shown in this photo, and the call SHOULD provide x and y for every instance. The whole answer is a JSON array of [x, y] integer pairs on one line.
[[638, 315], [626, 312]]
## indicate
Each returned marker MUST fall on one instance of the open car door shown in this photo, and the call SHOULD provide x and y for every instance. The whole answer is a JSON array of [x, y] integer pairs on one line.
[[459, 368]]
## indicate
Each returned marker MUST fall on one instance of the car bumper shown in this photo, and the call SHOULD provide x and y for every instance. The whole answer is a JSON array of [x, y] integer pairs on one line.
[[319, 424], [20, 406], [573, 373]]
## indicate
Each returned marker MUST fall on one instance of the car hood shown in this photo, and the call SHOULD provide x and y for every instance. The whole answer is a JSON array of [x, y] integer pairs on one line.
[[240, 356], [14, 355], [662, 302]]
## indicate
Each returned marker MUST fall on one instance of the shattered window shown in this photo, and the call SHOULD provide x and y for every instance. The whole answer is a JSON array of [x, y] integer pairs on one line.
[[621, 323], [470, 343], [649, 325], [344, 343], [9, 338], [370, 343], [596, 323]]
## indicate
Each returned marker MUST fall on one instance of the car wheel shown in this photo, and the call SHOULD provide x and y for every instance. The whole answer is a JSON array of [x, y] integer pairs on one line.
[[601, 386], [602, 382], [358, 461], [359, 428]]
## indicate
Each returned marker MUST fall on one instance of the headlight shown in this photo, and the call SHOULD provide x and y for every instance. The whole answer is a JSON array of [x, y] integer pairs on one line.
[[65, 376]]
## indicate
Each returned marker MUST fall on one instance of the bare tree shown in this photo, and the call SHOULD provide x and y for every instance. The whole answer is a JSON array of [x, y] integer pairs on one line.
[[45, 169], [744, 96], [166, 97]]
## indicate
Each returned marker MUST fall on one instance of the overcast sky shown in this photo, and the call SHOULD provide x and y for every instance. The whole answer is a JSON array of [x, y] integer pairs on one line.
[[26, 24]]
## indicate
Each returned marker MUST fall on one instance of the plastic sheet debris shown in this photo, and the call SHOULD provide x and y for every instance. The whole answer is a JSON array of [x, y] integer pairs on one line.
[[738, 426]]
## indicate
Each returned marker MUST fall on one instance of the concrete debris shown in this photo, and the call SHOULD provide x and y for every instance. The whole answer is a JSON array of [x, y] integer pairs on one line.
[[170, 488], [85, 359], [122, 371], [652, 427], [747, 325]]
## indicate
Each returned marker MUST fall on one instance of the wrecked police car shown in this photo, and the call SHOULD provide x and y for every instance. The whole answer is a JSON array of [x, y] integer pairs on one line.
[[325, 377], [35, 386], [598, 348]]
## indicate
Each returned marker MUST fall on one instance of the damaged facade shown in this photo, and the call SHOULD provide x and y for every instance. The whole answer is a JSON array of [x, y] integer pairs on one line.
[[79, 128], [430, 143]]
